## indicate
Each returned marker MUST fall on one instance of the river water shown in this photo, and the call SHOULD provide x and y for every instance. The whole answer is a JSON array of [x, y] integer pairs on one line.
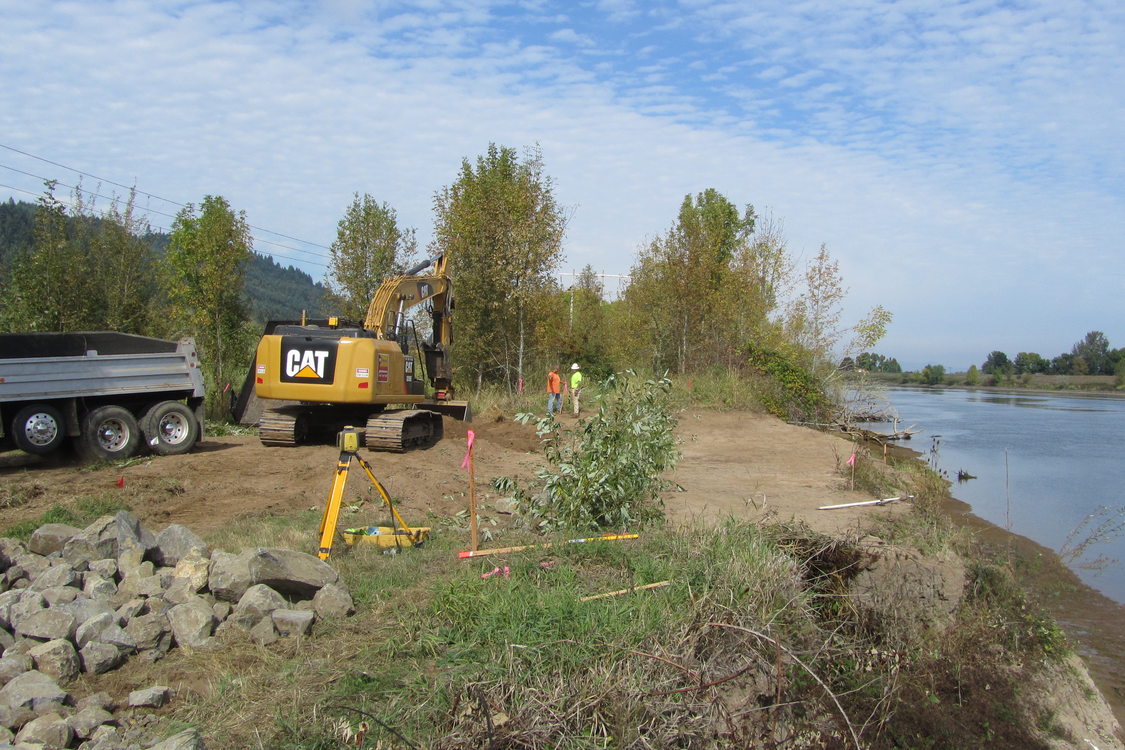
[[1042, 464]]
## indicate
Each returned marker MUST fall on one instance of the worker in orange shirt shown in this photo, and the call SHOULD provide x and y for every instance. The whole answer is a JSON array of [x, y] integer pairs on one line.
[[554, 391]]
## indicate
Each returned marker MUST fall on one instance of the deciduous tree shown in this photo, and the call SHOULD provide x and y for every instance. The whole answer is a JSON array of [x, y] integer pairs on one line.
[[369, 247], [204, 268], [501, 229]]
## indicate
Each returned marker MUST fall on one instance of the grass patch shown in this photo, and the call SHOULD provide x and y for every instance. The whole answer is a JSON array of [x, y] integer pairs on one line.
[[83, 511]]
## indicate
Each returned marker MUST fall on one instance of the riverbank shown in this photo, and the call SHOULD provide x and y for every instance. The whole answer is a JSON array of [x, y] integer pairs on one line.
[[1058, 385]]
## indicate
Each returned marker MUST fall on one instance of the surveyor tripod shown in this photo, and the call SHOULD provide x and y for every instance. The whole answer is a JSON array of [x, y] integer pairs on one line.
[[348, 442]]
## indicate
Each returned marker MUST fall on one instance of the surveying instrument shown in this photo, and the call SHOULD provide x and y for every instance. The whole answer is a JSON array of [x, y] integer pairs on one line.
[[383, 536]]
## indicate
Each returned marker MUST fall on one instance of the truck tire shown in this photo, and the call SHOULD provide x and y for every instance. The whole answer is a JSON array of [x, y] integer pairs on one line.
[[38, 429], [170, 428], [109, 433]]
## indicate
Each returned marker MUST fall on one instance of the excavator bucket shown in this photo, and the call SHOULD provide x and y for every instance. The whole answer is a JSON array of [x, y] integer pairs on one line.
[[456, 409]]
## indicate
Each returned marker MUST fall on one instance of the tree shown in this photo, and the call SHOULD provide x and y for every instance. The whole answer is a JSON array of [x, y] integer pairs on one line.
[[682, 294], [1030, 363], [933, 374], [1094, 349], [49, 287], [123, 276], [204, 270], [972, 377], [369, 247], [997, 364], [501, 230]]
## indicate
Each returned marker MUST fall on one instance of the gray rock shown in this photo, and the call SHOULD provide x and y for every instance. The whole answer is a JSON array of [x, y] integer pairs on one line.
[[259, 600], [97, 586], [57, 659], [148, 630], [49, 729], [153, 697], [158, 605], [96, 700], [54, 577], [107, 737], [92, 629], [115, 635], [192, 623], [333, 601], [51, 537], [189, 739], [291, 622], [264, 633], [180, 591], [106, 568], [99, 658], [175, 542], [141, 585], [289, 572], [86, 721], [6, 640], [59, 595], [47, 624], [222, 610], [29, 603], [84, 608], [29, 695], [131, 608], [13, 665], [228, 575], [7, 600]]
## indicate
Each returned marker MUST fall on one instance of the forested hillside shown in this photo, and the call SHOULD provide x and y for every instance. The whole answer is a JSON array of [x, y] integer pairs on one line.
[[273, 291]]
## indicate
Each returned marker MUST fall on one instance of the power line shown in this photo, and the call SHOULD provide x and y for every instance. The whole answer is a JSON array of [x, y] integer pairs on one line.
[[319, 257], [152, 195]]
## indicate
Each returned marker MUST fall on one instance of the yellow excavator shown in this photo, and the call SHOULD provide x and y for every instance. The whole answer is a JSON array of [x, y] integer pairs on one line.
[[329, 375]]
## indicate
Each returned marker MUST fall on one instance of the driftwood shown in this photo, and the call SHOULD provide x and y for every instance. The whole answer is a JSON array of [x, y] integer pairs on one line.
[[884, 501]]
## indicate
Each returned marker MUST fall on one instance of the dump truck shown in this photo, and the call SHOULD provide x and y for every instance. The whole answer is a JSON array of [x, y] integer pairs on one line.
[[111, 394]]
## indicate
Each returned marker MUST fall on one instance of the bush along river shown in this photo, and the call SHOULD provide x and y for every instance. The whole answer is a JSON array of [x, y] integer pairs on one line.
[[1049, 468]]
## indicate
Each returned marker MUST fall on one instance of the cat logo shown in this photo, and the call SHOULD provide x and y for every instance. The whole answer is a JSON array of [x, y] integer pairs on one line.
[[305, 360]]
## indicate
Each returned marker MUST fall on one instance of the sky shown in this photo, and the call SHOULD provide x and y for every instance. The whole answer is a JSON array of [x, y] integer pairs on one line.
[[962, 160]]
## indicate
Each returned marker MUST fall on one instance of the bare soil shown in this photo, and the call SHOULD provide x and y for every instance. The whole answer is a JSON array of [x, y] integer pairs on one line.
[[740, 464]]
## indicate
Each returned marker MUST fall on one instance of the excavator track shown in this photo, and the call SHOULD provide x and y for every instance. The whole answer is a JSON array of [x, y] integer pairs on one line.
[[284, 428], [398, 430]]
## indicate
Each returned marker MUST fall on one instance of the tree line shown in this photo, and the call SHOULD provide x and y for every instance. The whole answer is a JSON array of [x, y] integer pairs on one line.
[[718, 289]]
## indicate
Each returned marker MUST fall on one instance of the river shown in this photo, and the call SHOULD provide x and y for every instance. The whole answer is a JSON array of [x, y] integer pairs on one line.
[[1042, 463]]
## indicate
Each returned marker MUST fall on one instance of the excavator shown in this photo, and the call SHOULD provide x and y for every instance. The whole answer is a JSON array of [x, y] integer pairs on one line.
[[317, 378]]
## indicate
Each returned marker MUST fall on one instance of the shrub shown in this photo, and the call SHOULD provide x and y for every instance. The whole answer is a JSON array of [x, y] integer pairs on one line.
[[607, 471]]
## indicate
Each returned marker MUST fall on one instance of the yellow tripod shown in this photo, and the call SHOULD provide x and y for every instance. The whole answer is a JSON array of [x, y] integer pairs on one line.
[[348, 442]]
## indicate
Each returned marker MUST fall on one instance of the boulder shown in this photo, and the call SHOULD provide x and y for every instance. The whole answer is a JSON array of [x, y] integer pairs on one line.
[[51, 537], [260, 600], [99, 658], [49, 729], [189, 739], [55, 576], [57, 659], [47, 624], [29, 695], [290, 572], [333, 601], [153, 697], [228, 575], [86, 721], [175, 543], [13, 665], [193, 623], [291, 622]]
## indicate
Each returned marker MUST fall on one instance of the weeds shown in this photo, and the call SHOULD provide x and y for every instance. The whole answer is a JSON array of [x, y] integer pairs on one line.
[[1103, 525]]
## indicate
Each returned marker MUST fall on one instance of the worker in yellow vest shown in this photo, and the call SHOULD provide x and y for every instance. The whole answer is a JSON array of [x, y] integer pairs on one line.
[[575, 385]]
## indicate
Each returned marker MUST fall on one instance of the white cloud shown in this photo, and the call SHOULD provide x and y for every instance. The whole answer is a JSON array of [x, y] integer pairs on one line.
[[958, 159]]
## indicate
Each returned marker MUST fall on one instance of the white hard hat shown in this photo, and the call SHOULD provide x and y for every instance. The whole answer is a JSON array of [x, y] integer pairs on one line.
[[574, 366]]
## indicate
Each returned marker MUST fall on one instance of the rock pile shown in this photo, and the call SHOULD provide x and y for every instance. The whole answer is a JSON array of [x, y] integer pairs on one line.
[[87, 600]]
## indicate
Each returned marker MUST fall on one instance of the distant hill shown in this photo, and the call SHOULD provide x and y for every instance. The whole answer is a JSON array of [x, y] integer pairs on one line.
[[273, 292]]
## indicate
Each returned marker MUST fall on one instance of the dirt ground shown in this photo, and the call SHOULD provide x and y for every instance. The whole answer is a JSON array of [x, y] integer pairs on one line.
[[740, 464]]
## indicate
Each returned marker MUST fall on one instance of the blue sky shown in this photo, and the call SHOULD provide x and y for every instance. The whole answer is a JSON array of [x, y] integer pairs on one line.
[[962, 161]]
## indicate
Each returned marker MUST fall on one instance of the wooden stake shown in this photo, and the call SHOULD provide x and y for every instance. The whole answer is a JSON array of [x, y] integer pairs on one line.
[[472, 503], [865, 502], [624, 591]]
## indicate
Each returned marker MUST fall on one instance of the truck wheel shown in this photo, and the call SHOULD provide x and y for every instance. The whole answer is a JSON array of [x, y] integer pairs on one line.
[[38, 429], [109, 433], [170, 428]]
